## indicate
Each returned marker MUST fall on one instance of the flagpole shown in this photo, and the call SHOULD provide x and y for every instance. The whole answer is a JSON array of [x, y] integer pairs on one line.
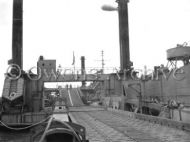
[[73, 62], [74, 68]]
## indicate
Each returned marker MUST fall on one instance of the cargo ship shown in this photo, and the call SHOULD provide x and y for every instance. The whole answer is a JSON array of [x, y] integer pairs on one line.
[[27, 111]]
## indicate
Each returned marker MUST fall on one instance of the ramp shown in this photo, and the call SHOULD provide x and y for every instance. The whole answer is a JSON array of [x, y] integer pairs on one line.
[[75, 97], [64, 93], [72, 96]]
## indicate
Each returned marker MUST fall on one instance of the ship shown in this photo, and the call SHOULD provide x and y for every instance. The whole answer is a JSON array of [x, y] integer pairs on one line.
[[161, 92], [27, 110]]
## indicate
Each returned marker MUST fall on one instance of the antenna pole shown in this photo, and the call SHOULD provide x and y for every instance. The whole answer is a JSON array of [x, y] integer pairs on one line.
[[102, 61]]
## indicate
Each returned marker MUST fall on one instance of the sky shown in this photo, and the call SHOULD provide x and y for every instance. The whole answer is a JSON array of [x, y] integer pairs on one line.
[[56, 28]]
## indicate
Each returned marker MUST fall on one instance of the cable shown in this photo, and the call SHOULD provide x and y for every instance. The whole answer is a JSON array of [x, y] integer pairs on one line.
[[18, 129], [45, 131], [47, 127]]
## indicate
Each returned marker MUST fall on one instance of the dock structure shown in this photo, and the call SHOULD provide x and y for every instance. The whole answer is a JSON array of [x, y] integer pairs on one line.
[[121, 126]]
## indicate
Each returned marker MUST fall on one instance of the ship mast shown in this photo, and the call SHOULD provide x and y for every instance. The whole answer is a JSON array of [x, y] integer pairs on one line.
[[124, 35], [17, 34], [122, 10], [102, 54]]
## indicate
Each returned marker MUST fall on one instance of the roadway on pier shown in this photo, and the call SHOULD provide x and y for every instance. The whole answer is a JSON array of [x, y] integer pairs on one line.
[[118, 126], [108, 125]]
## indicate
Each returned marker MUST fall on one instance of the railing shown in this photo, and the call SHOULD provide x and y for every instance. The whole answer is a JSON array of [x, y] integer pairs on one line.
[[184, 99], [89, 70]]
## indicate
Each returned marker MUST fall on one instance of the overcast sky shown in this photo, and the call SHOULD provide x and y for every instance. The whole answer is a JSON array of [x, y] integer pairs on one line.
[[56, 28]]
